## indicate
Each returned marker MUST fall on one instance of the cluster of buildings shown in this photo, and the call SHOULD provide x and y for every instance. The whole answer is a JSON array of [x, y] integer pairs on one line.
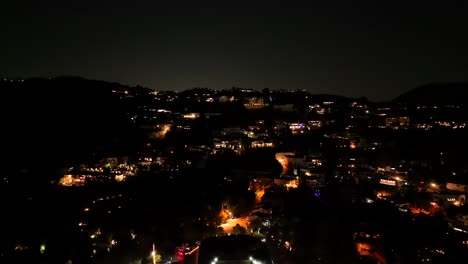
[[109, 171], [316, 140]]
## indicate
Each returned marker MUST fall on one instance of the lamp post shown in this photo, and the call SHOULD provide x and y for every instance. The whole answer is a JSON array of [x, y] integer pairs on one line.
[[153, 254]]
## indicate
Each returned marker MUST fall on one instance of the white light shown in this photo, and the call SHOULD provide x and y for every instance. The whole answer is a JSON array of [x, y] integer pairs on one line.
[[254, 261]]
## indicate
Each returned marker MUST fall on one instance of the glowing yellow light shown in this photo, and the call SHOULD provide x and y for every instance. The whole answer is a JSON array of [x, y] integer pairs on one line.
[[42, 248]]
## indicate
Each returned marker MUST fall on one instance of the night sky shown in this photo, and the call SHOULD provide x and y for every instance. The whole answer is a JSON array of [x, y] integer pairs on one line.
[[353, 50]]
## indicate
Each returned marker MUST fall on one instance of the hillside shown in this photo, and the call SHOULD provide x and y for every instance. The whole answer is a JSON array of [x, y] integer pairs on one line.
[[436, 94], [69, 118]]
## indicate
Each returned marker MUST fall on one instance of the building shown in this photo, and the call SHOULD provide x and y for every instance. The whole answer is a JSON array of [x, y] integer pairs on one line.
[[459, 187], [255, 103], [447, 198]]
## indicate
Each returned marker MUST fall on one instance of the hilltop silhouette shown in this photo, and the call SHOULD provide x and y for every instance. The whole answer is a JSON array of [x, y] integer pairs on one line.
[[436, 94], [67, 118]]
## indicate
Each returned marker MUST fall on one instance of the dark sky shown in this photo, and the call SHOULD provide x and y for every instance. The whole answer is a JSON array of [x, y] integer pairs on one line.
[[353, 50]]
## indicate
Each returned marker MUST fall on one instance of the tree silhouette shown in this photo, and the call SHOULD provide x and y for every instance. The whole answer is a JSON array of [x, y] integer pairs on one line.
[[239, 230]]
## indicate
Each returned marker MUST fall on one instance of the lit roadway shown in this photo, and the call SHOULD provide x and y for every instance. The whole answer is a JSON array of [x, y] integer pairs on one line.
[[363, 249], [242, 221], [231, 223], [258, 195]]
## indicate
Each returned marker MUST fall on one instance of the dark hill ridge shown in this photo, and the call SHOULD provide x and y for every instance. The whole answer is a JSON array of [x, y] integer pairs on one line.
[[69, 118], [436, 94]]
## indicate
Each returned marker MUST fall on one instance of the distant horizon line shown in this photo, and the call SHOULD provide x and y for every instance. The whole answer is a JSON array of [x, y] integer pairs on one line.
[[3, 78]]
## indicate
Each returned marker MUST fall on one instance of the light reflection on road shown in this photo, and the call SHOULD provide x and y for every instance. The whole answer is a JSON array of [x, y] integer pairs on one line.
[[231, 223], [259, 195], [242, 221]]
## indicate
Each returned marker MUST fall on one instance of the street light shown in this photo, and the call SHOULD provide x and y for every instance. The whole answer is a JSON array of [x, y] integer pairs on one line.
[[153, 254]]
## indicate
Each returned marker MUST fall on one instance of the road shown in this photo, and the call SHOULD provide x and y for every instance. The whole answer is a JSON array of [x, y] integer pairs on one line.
[[231, 223], [242, 221], [364, 249], [259, 195]]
